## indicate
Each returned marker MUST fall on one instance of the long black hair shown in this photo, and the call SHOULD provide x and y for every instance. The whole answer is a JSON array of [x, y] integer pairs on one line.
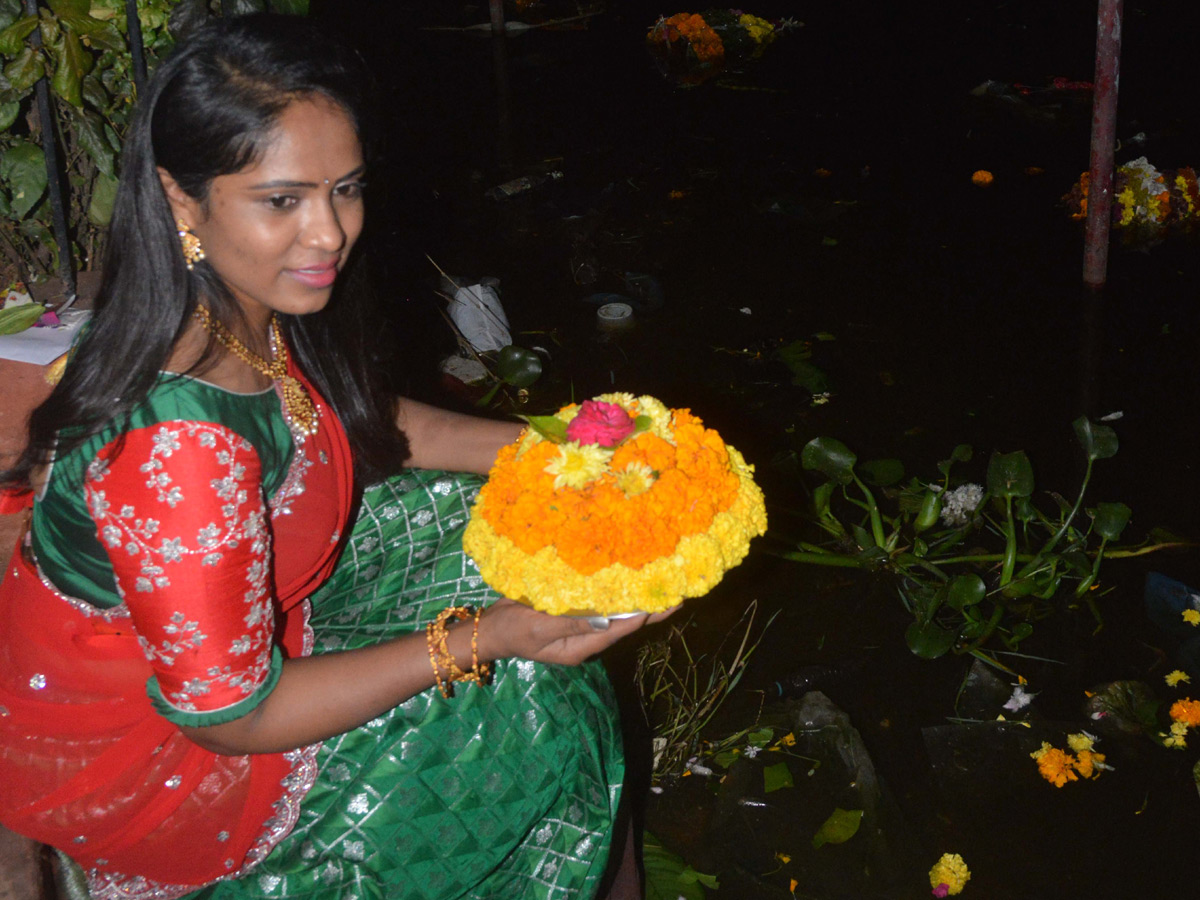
[[208, 111]]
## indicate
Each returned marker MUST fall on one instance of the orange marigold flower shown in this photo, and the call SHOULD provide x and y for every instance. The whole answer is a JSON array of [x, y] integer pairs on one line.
[[1186, 711], [1055, 765], [982, 178]]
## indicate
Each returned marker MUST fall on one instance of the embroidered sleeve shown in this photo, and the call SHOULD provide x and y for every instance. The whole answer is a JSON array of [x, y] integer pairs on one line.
[[180, 510]]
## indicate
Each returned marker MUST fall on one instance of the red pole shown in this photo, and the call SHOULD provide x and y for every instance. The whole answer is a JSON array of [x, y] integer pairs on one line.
[[1104, 138]]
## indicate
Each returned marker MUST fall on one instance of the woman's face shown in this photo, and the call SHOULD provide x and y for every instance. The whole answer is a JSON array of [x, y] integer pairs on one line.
[[279, 231]]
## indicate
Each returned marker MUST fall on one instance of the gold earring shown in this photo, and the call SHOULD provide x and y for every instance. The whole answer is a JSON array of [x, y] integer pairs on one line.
[[192, 251]]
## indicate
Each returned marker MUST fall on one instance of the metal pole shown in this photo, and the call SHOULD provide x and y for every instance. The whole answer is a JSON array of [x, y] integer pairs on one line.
[[58, 210], [497, 10], [1104, 136], [134, 27]]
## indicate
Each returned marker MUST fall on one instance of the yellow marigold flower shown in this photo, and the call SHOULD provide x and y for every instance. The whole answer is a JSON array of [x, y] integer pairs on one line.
[[949, 875], [1089, 764], [1186, 711], [1055, 765], [1080, 742], [576, 466], [1178, 736], [1192, 616], [1174, 678]]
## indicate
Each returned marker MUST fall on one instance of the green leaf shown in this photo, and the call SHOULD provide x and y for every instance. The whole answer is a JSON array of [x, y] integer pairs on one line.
[[821, 497], [104, 195], [664, 873], [10, 11], [25, 69], [796, 357], [16, 319], [965, 590], [691, 876], [864, 538], [841, 825], [84, 24], [1111, 519], [961, 453], [1010, 475], [12, 38], [642, 423], [1098, 441], [552, 428], [776, 777], [1020, 631], [73, 63], [882, 472], [830, 457], [70, 7], [23, 169], [8, 114], [518, 366], [90, 129], [928, 640], [760, 738]]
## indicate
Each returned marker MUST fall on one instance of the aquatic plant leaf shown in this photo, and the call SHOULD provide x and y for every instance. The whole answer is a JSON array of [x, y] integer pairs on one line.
[[1098, 441], [1020, 631], [961, 453], [882, 472], [777, 776], [841, 825], [761, 737], [1111, 519], [965, 590], [1010, 475], [830, 457], [664, 872], [1130, 706], [518, 366], [821, 497], [928, 640], [551, 428], [691, 876]]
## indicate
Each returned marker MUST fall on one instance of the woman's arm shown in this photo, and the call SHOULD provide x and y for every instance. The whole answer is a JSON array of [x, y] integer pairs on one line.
[[318, 697], [440, 439]]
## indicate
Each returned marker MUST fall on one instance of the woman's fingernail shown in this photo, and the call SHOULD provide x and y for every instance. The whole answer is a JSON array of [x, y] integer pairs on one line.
[[598, 623]]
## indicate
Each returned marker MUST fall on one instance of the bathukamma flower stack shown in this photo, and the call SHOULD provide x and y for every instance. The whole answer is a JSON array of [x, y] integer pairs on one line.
[[615, 505]]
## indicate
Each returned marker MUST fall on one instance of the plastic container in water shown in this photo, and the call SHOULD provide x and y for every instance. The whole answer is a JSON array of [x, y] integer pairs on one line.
[[614, 316]]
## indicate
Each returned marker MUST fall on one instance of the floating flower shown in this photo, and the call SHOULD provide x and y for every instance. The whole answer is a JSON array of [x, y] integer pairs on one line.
[[1186, 711], [959, 503], [949, 875], [1081, 742], [1192, 616], [1178, 736], [658, 518], [1057, 766], [1020, 699], [982, 178], [1176, 677]]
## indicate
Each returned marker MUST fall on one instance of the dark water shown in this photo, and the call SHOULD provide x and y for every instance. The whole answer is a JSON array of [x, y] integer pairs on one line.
[[957, 313]]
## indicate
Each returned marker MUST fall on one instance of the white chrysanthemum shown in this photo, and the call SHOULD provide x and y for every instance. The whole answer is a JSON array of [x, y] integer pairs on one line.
[[576, 466], [958, 504], [634, 479], [660, 417]]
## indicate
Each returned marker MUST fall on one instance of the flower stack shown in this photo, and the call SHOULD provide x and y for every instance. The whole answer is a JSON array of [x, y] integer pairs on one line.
[[693, 47], [1144, 197], [614, 506]]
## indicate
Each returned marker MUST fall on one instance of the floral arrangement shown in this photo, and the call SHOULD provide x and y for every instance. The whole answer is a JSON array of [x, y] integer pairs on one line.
[[615, 505], [1144, 196], [696, 46], [1058, 766], [949, 875]]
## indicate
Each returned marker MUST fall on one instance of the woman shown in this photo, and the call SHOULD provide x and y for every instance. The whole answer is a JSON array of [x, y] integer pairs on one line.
[[205, 683]]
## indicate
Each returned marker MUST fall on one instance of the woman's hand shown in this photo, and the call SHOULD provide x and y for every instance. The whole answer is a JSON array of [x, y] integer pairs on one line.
[[508, 628]]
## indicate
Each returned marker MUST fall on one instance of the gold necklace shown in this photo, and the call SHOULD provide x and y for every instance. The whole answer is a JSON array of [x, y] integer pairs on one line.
[[298, 407]]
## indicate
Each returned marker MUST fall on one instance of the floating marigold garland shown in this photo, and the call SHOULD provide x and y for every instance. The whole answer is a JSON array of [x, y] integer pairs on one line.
[[616, 505], [696, 46]]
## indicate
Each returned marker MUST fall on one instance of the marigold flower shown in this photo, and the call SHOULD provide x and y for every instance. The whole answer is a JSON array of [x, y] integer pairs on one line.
[[1177, 677], [1081, 741], [1192, 616], [1089, 764], [1055, 765], [1186, 711], [982, 178], [949, 875]]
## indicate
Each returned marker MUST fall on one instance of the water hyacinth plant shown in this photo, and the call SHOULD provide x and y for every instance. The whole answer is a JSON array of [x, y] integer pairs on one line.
[[974, 562]]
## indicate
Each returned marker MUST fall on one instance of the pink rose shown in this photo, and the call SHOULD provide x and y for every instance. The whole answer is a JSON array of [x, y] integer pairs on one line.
[[600, 423], [941, 890]]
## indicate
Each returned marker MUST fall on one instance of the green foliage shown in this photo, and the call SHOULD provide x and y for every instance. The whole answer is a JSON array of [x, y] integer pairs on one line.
[[841, 825], [668, 877], [960, 591], [82, 47]]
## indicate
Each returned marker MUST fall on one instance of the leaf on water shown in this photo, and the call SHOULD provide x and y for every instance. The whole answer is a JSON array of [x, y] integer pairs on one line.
[[664, 874], [761, 737], [1098, 441], [1010, 475], [1111, 519], [838, 828], [965, 590], [776, 777], [830, 457], [882, 472], [518, 366], [928, 640]]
